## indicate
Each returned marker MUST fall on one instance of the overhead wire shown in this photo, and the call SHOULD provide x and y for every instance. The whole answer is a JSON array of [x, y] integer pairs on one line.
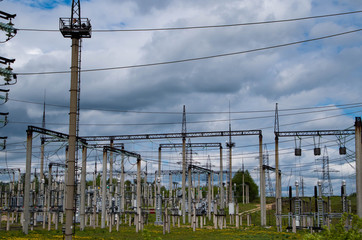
[[313, 120], [205, 121], [190, 112], [263, 22], [284, 153], [196, 58], [202, 27]]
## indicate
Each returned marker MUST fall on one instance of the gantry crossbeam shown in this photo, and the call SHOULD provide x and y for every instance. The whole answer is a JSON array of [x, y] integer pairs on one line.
[[9, 170], [315, 133], [197, 145], [171, 135], [127, 153]]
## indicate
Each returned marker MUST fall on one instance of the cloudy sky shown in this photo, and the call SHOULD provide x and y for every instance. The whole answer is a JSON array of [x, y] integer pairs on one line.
[[316, 84]]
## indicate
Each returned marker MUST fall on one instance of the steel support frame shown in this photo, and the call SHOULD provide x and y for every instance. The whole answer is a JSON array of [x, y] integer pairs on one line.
[[104, 179], [303, 134], [183, 136], [29, 140], [183, 145]]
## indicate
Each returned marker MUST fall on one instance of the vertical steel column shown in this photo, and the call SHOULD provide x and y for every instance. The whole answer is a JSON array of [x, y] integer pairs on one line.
[[111, 170], [139, 192], [212, 186], [230, 197], [122, 184], [189, 193], [42, 160], [42, 180], [82, 187], [65, 178], [184, 180], [243, 186], [358, 132], [277, 185], [94, 204], [29, 146], [145, 188], [222, 205], [110, 222], [50, 181], [170, 191], [199, 192], [104, 189], [70, 181], [209, 195], [159, 171], [262, 184]]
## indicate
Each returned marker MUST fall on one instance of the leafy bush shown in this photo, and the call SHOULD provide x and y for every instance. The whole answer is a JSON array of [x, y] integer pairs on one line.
[[339, 231]]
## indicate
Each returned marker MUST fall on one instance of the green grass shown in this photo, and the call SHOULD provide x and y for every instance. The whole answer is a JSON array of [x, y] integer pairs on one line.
[[185, 232], [246, 207], [155, 232]]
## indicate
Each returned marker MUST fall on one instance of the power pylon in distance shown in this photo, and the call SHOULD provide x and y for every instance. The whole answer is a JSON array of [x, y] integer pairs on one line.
[[327, 188], [269, 186]]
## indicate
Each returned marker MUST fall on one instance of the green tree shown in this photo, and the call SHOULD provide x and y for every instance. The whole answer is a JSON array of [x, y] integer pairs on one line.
[[238, 180]]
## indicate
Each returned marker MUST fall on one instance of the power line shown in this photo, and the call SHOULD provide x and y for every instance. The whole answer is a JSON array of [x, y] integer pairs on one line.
[[189, 113], [201, 27], [190, 122], [195, 59], [317, 119]]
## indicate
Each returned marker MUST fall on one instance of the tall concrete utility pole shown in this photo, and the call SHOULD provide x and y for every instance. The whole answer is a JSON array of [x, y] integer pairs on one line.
[[29, 147], [122, 184], [277, 179], [159, 171], [358, 132], [139, 209], [75, 28], [230, 145], [82, 188], [104, 189], [222, 204], [262, 184]]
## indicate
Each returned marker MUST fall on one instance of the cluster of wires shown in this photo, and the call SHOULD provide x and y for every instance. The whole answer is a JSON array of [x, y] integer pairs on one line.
[[201, 27]]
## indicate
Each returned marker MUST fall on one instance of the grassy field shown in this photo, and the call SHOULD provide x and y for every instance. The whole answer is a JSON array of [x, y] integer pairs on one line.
[[185, 232], [155, 232]]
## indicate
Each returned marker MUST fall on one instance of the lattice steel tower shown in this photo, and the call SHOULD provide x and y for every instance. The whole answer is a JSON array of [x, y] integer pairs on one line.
[[327, 188], [269, 185]]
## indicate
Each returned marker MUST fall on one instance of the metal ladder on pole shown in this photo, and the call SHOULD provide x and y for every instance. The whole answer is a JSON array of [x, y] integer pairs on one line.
[[297, 211], [320, 213], [297, 207]]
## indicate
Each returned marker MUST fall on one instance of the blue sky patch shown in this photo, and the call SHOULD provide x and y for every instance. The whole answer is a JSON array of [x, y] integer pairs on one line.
[[43, 4]]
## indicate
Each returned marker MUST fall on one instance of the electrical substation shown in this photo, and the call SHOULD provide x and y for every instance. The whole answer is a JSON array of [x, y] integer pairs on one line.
[[132, 196], [116, 187]]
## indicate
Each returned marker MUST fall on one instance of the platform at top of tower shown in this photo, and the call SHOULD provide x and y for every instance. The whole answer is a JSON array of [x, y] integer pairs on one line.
[[75, 29]]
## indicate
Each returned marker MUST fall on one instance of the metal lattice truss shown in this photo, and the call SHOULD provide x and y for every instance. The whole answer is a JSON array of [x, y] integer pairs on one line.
[[315, 133], [197, 145], [9, 170], [54, 135], [100, 145], [200, 169], [121, 151], [171, 135]]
